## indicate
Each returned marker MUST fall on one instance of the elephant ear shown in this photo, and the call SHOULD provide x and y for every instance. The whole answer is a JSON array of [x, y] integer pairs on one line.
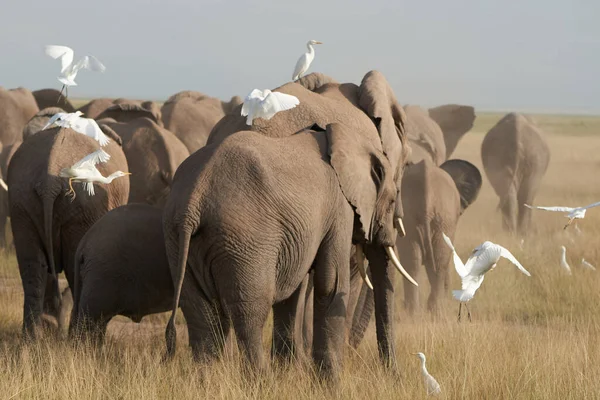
[[377, 100], [467, 179], [108, 131], [359, 170], [455, 120], [125, 112], [315, 80]]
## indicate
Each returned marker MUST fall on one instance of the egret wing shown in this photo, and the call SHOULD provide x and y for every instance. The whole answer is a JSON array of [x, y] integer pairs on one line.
[[301, 66], [63, 52], [458, 264], [591, 205], [91, 63], [52, 120], [89, 127], [508, 255], [558, 209], [99, 156], [281, 101]]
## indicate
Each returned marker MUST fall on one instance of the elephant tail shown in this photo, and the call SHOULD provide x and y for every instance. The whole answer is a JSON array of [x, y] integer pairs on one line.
[[48, 209], [171, 333]]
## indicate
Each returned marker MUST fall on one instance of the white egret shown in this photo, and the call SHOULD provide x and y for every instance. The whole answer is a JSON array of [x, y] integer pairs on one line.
[[3, 184], [587, 265], [85, 126], [305, 60], [483, 258], [431, 385], [69, 69], [265, 104], [85, 171], [563, 260], [571, 212]]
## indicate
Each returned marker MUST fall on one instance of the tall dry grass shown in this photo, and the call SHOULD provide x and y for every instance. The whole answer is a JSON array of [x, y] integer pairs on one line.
[[531, 338]]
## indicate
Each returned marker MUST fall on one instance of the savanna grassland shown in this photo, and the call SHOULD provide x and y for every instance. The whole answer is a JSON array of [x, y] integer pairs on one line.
[[531, 338]]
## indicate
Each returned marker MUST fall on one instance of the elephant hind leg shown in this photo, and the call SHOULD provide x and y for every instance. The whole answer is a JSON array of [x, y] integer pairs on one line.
[[249, 318], [526, 195], [438, 272], [509, 207], [411, 258], [288, 316]]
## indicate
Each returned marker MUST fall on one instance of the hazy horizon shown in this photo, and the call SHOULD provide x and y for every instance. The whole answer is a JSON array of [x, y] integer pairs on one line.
[[541, 57]]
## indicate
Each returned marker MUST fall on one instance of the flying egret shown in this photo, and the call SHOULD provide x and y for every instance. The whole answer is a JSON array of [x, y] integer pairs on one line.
[[68, 69], [265, 104], [563, 260], [85, 126], [305, 60], [431, 385], [85, 171], [571, 212], [587, 265], [483, 258]]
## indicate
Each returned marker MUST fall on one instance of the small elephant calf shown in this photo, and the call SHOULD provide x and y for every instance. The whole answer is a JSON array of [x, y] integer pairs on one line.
[[121, 268]]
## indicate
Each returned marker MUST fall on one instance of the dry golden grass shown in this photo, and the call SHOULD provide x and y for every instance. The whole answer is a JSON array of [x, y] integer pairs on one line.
[[531, 338]]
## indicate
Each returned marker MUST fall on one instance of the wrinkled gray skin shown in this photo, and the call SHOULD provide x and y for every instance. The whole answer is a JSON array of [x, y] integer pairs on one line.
[[455, 120], [322, 101], [39, 120], [306, 221], [128, 110], [115, 275], [192, 115], [17, 106], [515, 158], [50, 98], [434, 199], [46, 224], [153, 153], [96, 107]]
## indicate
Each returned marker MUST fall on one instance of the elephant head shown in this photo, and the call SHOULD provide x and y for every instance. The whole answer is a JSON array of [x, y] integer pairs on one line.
[[455, 120], [125, 112], [425, 134], [40, 120], [467, 178], [46, 98]]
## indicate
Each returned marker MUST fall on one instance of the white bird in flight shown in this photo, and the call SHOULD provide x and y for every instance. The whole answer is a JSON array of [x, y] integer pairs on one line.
[[483, 258], [571, 212], [563, 260], [265, 104], [431, 385], [85, 171], [68, 69], [305, 59], [587, 265], [85, 126]]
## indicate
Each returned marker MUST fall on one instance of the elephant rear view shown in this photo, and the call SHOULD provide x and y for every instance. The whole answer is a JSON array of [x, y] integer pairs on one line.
[[515, 158], [46, 224]]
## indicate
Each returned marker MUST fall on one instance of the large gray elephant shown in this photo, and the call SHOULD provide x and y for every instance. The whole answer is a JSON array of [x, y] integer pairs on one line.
[[425, 136], [191, 116], [153, 153], [370, 109], [46, 224], [115, 275], [46, 98], [5, 158], [515, 158], [434, 198], [96, 107], [455, 120]]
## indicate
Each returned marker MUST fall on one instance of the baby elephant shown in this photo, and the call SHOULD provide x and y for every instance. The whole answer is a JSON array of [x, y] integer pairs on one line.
[[121, 268]]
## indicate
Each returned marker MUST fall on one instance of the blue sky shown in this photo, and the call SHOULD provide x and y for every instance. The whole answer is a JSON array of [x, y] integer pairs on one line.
[[531, 55]]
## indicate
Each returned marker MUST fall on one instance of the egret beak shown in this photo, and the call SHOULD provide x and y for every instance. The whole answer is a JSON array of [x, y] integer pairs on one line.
[[400, 227], [127, 173], [318, 42]]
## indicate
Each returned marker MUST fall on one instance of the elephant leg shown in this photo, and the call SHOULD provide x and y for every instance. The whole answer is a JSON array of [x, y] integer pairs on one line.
[[438, 273], [287, 329], [526, 195], [208, 328], [331, 291], [3, 218], [509, 208], [411, 257]]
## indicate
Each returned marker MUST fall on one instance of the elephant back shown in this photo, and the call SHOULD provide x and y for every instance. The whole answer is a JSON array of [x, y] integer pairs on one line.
[[46, 98]]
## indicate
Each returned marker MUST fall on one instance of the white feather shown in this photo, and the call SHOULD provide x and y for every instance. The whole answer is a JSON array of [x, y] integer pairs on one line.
[[265, 104], [64, 53]]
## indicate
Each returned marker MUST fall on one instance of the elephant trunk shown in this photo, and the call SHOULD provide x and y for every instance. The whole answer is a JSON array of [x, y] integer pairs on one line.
[[48, 208], [185, 236]]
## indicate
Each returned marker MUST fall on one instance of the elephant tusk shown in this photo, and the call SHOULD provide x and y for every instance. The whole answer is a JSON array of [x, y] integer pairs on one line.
[[400, 227], [392, 254], [360, 260]]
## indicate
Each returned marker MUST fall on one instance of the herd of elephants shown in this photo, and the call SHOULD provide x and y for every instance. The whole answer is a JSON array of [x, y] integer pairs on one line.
[[230, 222]]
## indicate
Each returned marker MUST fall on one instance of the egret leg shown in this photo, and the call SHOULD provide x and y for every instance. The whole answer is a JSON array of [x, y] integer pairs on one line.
[[66, 92], [569, 223], [71, 190], [459, 309], [468, 312], [60, 94]]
